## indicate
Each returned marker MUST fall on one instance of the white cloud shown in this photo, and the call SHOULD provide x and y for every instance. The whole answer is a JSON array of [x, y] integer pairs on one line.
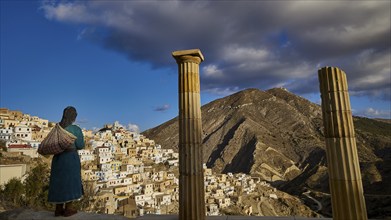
[[376, 113], [245, 54], [223, 91], [69, 12], [133, 128], [212, 71]]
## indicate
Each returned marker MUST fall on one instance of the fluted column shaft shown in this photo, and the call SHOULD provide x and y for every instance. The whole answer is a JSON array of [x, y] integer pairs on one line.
[[347, 195], [191, 175]]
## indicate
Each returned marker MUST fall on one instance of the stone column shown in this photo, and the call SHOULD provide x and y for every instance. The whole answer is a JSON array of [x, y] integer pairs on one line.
[[347, 195], [191, 175]]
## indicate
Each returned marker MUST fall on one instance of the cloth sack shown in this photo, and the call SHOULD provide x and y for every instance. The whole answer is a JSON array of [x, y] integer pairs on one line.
[[57, 141]]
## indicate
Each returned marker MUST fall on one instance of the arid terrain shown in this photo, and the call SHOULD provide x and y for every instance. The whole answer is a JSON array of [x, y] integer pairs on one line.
[[278, 136]]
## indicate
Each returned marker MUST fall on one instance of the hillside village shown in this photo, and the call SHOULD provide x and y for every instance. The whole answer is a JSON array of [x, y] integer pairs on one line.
[[126, 173]]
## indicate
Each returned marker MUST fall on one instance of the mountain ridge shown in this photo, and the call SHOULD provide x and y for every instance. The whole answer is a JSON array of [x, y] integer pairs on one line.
[[279, 137]]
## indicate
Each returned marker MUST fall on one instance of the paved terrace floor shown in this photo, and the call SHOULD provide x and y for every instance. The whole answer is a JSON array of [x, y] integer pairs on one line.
[[175, 217]]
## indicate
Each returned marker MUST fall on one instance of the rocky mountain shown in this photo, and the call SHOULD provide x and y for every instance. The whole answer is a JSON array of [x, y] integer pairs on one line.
[[278, 136]]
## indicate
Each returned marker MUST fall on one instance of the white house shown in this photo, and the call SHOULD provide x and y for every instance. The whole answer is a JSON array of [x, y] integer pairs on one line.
[[212, 209], [86, 155], [162, 199], [6, 133], [23, 132]]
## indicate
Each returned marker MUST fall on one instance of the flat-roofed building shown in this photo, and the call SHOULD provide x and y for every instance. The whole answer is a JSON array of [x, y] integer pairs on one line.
[[6, 133], [23, 132], [25, 149]]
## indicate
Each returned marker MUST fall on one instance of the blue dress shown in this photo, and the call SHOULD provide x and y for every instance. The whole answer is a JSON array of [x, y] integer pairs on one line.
[[65, 178]]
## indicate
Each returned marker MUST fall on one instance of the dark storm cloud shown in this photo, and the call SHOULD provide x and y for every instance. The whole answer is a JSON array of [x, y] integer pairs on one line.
[[247, 43]]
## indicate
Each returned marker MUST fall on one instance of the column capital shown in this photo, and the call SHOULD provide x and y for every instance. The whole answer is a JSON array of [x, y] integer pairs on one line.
[[192, 55]]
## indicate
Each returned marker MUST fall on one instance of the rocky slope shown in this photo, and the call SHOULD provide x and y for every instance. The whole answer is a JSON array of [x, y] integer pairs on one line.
[[278, 136]]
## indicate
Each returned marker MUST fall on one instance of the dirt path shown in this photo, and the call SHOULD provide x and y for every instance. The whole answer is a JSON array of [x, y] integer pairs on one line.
[[265, 209], [259, 208]]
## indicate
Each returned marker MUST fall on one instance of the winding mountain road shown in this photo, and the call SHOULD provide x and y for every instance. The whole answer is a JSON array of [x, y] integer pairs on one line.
[[320, 206]]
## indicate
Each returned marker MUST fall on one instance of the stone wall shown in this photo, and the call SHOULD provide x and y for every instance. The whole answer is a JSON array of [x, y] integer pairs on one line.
[[29, 214]]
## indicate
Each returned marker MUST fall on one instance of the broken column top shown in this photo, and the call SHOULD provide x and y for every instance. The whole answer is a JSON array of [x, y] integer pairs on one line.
[[191, 52]]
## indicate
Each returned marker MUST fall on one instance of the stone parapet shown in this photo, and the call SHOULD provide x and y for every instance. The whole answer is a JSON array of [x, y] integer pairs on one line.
[[231, 217], [29, 214]]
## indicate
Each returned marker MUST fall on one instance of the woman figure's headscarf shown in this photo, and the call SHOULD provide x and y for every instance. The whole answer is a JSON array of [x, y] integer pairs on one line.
[[68, 117]]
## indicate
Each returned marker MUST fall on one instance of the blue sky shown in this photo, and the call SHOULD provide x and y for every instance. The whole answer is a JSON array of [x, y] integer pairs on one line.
[[112, 59]]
